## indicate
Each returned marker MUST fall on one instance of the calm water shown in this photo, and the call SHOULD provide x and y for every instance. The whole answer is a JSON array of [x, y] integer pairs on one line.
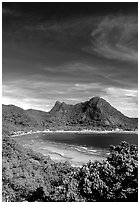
[[96, 140], [80, 146]]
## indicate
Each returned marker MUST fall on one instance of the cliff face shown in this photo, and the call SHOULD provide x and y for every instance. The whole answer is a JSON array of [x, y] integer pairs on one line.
[[96, 113]]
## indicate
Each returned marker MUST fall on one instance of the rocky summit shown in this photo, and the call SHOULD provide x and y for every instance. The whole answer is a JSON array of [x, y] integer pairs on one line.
[[95, 114]]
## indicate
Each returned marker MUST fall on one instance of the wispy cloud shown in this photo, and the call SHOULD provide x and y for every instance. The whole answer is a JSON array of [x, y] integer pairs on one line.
[[7, 11], [116, 37], [46, 58], [87, 86], [10, 12]]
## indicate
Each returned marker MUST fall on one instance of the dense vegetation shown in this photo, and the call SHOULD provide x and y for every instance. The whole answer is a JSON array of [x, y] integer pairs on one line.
[[30, 176]]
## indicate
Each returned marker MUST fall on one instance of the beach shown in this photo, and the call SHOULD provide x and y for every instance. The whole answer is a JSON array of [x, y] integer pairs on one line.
[[72, 131], [75, 155], [75, 147], [62, 153]]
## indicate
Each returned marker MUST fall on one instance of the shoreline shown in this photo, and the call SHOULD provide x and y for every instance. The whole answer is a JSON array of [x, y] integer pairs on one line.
[[74, 155], [73, 131]]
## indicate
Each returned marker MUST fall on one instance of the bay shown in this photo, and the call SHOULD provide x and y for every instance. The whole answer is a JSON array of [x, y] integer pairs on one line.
[[76, 148], [96, 140]]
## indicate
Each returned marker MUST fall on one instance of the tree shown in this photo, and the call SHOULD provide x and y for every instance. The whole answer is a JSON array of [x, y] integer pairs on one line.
[[115, 179]]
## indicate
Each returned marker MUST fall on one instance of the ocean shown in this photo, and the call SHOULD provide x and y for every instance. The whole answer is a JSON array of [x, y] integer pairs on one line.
[[95, 140]]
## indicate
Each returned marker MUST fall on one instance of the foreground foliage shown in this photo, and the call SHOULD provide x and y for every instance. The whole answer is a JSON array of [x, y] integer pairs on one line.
[[29, 176], [114, 179]]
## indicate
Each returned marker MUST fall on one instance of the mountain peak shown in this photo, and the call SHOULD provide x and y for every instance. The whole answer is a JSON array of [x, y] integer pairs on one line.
[[57, 103], [95, 113], [95, 98], [94, 101], [56, 106]]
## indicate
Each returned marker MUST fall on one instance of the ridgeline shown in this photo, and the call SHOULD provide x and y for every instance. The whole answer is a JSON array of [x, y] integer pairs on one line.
[[95, 114]]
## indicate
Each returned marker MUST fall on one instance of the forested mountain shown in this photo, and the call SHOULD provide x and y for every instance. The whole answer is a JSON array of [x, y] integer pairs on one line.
[[96, 114]]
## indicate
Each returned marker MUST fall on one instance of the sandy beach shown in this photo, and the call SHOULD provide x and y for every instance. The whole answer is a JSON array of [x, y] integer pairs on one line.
[[62, 153], [20, 133]]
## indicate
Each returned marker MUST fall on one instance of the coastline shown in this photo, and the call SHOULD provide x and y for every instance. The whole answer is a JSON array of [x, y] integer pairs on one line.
[[58, 152], [74, 155], [20, 133]]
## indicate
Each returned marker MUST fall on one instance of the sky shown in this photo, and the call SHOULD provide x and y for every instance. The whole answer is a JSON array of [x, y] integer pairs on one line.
[[70, 52]]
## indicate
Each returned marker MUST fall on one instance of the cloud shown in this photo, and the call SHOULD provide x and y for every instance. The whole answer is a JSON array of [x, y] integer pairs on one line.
[[7, 11], [116, 37], [37, 94], [87, 86], [25, 97], [42, 95], [64, 59], [76, 80], [70, 60], [125, 100], [10, 12]]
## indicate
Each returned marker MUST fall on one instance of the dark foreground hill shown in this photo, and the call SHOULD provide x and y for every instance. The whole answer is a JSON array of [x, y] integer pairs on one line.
[[32, 177], [95, 114]]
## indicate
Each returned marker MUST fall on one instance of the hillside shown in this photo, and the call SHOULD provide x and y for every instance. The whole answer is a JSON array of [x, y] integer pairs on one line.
[[95, 114], [17, 119]]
